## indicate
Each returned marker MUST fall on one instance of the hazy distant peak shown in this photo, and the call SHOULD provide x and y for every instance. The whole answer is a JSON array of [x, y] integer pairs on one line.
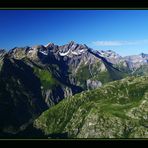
[[143, 55]]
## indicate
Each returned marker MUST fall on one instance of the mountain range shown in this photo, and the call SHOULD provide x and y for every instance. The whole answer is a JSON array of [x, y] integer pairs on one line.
[[45, 91]]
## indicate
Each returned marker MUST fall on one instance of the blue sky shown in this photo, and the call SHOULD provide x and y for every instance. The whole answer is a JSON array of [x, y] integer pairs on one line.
[[124, 31]]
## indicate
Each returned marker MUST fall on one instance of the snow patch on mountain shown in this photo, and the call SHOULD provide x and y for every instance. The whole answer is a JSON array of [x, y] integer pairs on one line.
[[44, 52], [64, 54]]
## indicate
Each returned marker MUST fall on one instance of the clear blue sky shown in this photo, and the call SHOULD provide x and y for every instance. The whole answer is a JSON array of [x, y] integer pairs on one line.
[[124, 31]]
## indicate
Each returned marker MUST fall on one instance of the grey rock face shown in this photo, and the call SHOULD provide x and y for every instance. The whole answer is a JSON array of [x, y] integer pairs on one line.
[[53, 96], [2, 53], [111, 56], [92, 84], [72, 49], [18, 52], [136, 61]]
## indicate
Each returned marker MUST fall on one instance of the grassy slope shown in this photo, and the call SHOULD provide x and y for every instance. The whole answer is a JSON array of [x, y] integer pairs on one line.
[[46, 78], [116, 110], [45, 75]]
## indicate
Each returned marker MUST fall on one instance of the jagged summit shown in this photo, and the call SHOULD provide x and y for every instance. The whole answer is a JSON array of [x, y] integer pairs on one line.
[[72, 42], [49, 45], [2, 51], [76, 52], [72, 49], [109, 53]]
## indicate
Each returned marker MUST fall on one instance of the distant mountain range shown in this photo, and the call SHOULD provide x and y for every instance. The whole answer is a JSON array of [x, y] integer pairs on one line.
[[34, 79]]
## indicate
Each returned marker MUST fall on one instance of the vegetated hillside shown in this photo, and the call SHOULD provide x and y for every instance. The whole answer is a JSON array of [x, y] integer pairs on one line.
[[117, 110], [33, 79]]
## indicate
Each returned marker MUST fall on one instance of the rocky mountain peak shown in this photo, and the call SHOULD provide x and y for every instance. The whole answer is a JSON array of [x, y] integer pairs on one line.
[[143, 55], [109, 54], [49, 45], [71, 43], [38, 47], [2, 51], [72, 49], [73, 52]]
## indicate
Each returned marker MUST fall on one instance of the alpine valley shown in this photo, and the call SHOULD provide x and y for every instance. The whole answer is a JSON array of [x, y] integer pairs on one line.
[[72, 91]]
